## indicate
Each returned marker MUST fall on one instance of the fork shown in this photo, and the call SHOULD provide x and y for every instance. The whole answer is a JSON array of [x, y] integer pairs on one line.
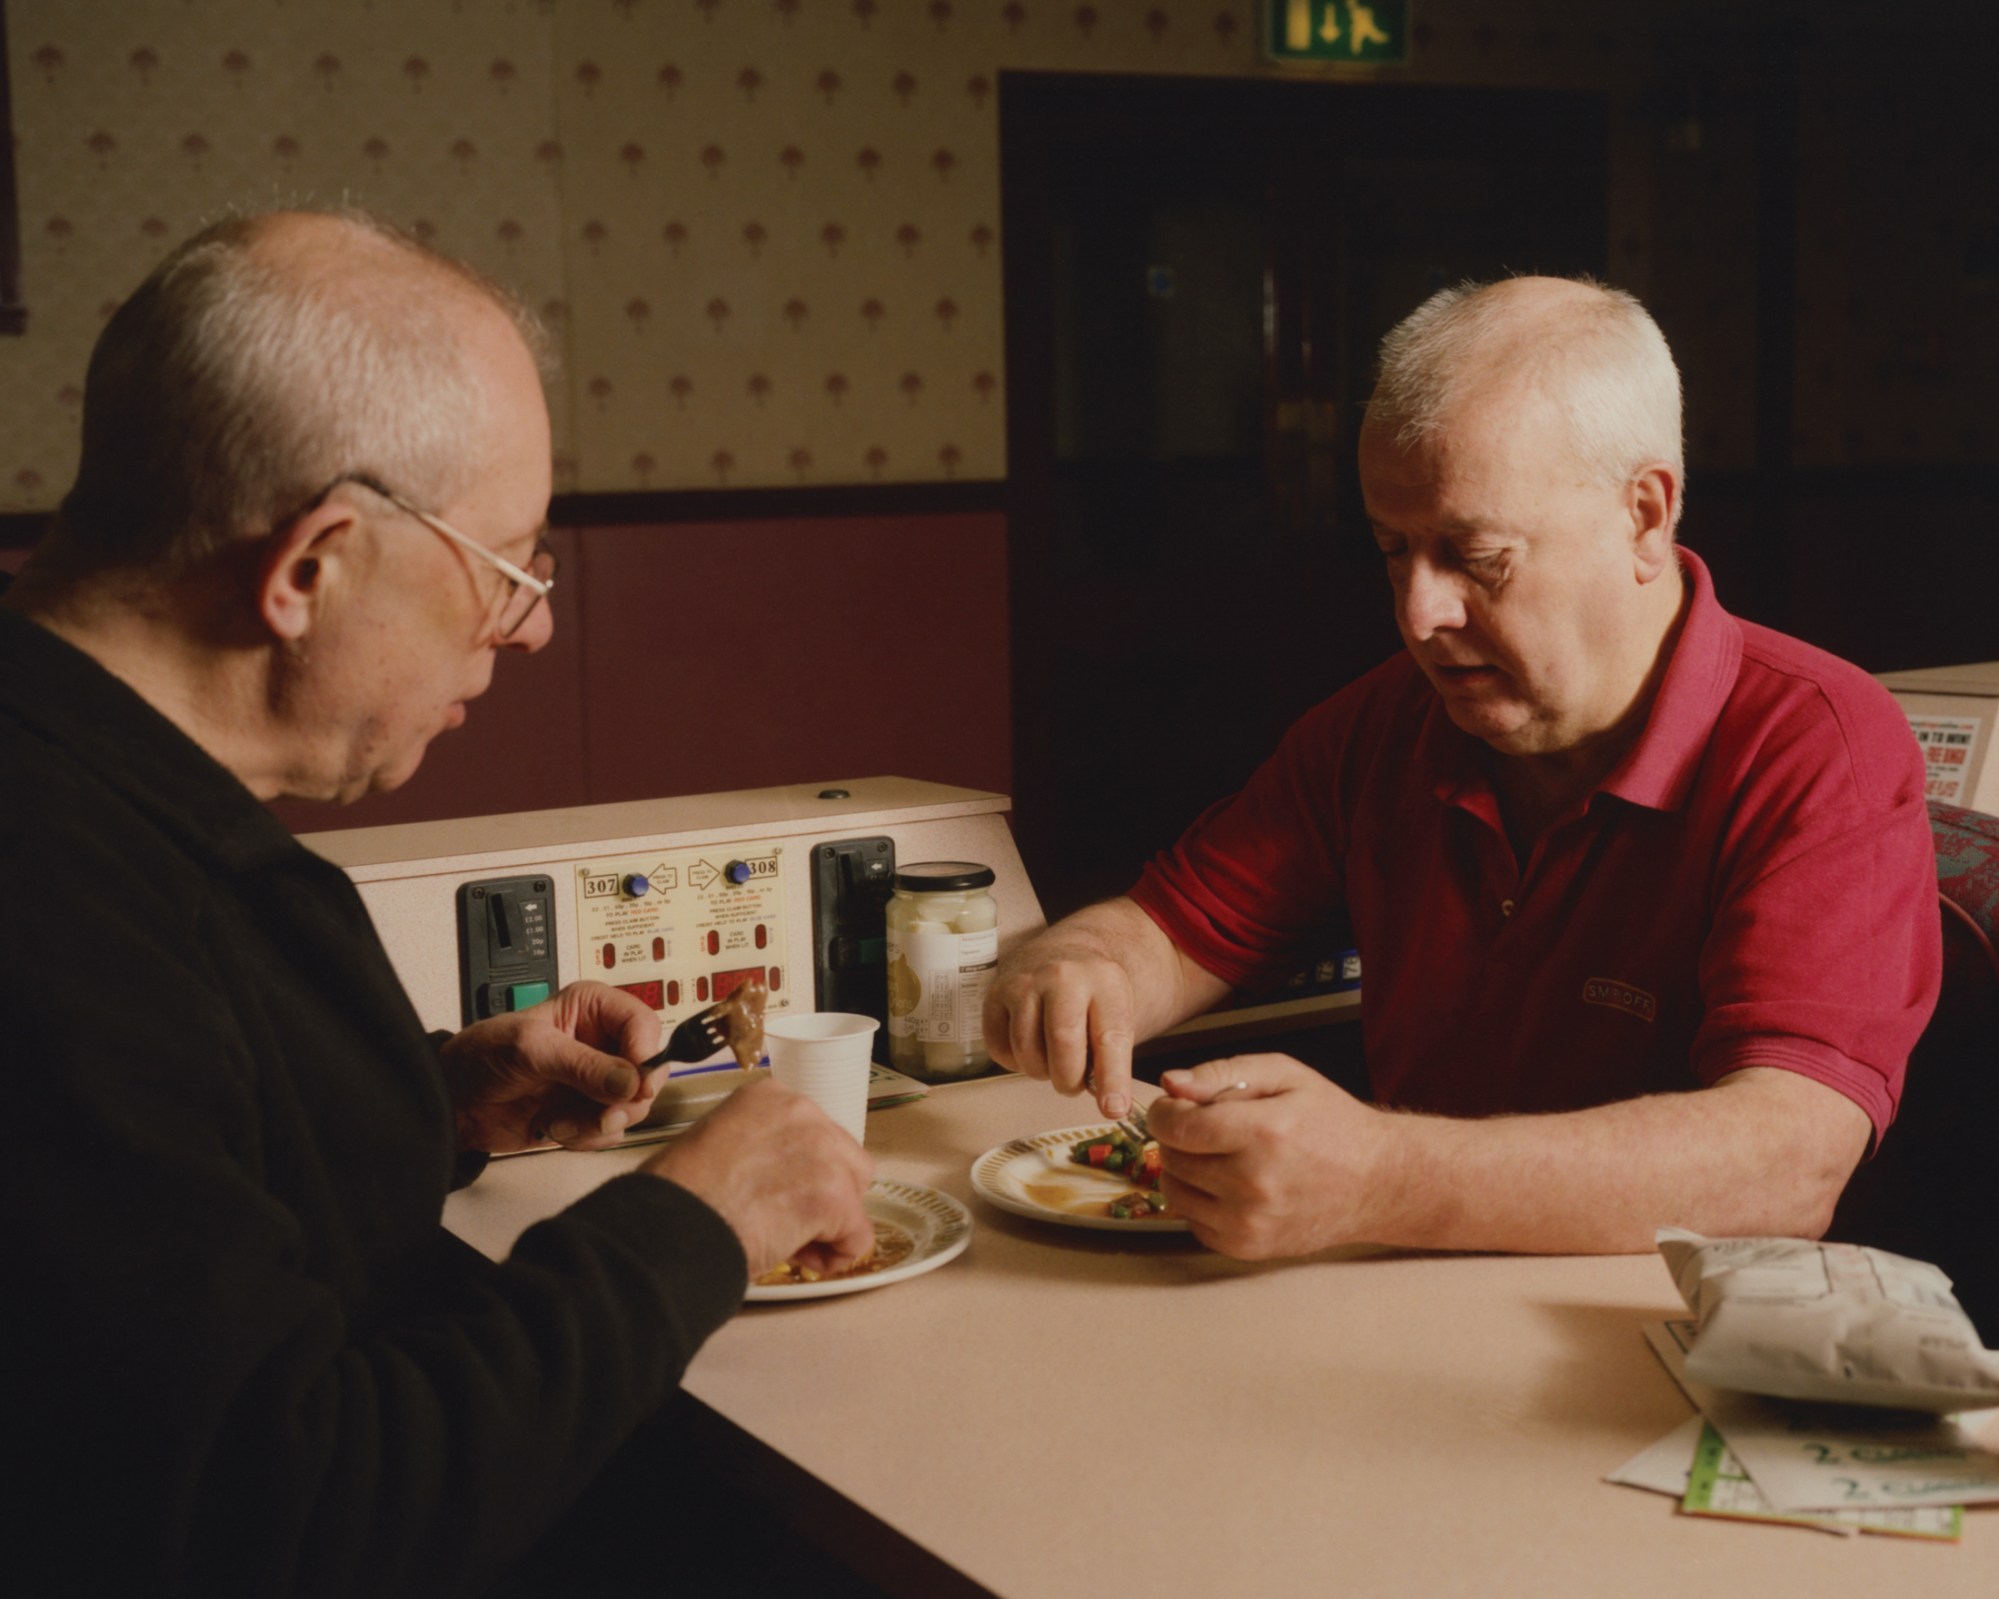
[[1138, 1129], [1133, 1124], [694, 1039]]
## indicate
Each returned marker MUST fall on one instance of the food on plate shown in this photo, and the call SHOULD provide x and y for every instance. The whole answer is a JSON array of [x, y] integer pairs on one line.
[[1138, 1163], [893, 1245], [1138, 1204], [1114, 1152], [742, 1021]]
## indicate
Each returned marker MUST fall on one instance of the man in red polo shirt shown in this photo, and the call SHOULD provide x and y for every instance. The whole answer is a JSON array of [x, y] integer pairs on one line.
[[1645, 895]]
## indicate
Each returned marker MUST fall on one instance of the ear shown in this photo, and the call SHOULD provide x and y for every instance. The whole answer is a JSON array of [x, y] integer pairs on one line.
[[1653, 502], [301, 561]]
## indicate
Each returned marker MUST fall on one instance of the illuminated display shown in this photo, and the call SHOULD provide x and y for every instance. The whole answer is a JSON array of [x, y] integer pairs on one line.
[[726, 983], [701, 926]]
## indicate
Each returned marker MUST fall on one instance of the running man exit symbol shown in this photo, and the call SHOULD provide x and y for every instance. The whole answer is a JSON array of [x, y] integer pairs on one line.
[[1337, 30]]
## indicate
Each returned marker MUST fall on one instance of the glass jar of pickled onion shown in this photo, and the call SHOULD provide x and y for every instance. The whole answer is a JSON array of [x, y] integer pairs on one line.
[[943, 945]]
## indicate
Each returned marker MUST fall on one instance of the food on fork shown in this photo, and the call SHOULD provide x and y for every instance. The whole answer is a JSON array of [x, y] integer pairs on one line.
[[741, 1018]]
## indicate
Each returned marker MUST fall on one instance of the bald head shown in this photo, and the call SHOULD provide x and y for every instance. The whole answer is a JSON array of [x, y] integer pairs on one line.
[[262, 359], [1591, 352]]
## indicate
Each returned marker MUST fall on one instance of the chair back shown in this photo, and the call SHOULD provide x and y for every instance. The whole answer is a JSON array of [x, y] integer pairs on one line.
[[1933, 1190]]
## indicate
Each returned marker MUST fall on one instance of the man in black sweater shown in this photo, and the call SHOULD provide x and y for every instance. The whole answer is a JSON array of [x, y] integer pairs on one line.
[[243, 1356]]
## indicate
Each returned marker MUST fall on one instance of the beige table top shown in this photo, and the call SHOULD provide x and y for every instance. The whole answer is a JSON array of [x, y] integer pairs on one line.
[[1061, 1414]]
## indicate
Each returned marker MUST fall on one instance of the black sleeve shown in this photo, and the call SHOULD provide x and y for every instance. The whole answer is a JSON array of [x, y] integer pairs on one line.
[[242, 1356]]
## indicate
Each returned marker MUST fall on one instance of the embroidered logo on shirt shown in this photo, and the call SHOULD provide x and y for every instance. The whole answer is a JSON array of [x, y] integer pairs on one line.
[[1609, 992]]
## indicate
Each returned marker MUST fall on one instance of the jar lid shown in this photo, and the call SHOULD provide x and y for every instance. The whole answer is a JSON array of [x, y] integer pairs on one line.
[[943, 877]]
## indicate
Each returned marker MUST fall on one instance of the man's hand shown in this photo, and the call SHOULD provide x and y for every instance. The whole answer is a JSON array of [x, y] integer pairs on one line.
[[1068, 1006], [1066, 1018], [1288, 1164], [780, 1172], [1264, 1157], [566, 1069]]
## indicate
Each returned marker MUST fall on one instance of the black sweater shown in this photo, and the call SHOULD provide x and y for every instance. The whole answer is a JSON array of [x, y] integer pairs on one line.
[[242, 1354]]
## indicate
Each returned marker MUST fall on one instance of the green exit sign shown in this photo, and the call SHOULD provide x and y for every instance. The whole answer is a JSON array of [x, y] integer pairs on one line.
[[1326, 31]]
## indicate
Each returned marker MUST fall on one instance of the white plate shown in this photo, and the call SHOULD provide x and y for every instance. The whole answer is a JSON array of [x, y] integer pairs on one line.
[[939, 1224], [1016, 1176]]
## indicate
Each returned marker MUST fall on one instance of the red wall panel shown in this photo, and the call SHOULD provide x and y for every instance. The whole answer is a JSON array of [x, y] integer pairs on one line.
[[727, 655]]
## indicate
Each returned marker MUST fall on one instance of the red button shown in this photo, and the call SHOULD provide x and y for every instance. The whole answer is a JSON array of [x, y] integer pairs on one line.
[[763, 935]]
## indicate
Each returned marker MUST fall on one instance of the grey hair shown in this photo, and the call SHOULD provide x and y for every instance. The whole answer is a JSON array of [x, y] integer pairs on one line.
[[1598, 355], [229, 389]]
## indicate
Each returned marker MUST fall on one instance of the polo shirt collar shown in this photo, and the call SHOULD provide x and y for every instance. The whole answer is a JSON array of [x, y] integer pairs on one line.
[[64, 695], [1659, 769]]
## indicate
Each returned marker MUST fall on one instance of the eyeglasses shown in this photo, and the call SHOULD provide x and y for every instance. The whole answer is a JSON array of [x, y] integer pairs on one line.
[[525, 588]]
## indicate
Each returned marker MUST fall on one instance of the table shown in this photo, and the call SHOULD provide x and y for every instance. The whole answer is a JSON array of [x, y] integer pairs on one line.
[[1061, 1414]]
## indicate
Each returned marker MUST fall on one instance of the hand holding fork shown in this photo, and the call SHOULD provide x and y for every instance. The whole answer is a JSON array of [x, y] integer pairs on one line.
[[1135, 1126]]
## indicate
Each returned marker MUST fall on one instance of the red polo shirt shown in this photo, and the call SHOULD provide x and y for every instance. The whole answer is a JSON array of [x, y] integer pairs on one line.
[[1754, 885]]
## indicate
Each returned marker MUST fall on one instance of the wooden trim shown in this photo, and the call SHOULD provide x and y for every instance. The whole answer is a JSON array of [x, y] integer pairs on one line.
[[776, 504], [1776, 268], [20, 529], [1948, 480], [13, 311]]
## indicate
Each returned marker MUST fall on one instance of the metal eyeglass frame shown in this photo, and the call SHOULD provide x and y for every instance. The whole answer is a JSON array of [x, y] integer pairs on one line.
[[522, 581]]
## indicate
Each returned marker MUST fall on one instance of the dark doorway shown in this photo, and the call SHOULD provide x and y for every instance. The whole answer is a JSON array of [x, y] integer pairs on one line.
[[1197, 274]]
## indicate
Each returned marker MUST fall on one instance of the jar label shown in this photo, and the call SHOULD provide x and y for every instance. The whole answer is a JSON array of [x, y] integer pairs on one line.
[[937, 984]]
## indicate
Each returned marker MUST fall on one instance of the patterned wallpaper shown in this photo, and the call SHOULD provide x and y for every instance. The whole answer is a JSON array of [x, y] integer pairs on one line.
[[765, 232]]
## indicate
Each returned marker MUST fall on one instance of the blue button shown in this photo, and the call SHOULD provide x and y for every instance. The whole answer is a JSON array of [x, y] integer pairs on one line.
[[737, 872]]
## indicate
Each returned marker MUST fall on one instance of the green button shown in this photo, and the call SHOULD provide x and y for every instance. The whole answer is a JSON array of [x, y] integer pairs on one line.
[[522, 995]]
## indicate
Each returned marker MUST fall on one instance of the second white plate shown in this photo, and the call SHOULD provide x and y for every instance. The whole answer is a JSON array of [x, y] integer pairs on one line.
[[1035, 1177]]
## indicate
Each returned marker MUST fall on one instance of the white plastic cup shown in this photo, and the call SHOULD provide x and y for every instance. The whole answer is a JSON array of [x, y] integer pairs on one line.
[[824, 1056]]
